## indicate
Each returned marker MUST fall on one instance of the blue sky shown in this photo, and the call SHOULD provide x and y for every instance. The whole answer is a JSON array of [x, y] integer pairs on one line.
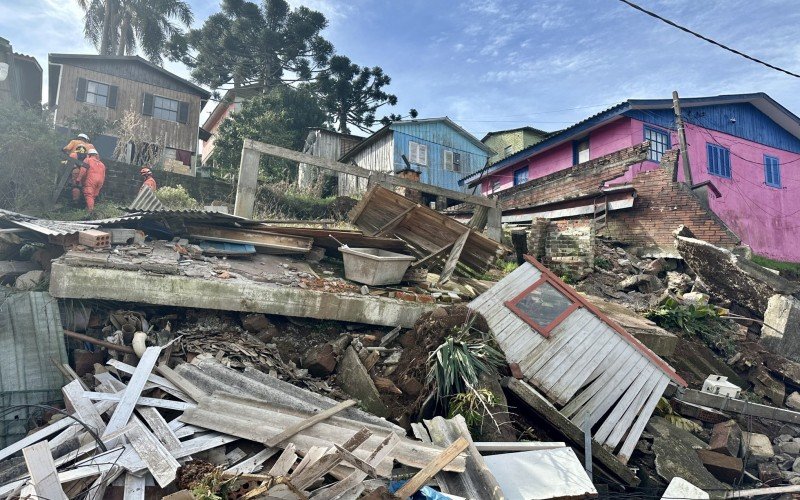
[[494, 64]]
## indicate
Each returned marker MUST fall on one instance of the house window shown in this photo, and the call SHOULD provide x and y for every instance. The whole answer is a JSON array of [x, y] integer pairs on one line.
[[97, 93], [580, 151], [520, 176], [452, 161], [719, 160], [543, 305], [659, 143], [166, 109], [495, 185], [508, 149], [772, 171], [417, 153]]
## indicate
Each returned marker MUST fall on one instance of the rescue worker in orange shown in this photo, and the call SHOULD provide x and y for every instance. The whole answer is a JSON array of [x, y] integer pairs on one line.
[[94, 179], [79, 140], [149, 180], [78, 172]]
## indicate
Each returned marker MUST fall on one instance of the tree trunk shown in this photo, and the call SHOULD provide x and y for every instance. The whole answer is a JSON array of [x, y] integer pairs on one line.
[[106, 47], [123, 31], [342, 119]]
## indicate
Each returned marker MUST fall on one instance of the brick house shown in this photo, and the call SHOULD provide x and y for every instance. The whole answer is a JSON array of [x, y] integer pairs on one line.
[[168, 105], [742, 153]]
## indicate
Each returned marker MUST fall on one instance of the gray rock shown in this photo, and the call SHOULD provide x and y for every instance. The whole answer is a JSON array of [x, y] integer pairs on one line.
[[678, 283], [790, 447], [781, 330], [782, 438], [645, 283], [796, 465], [29, 280], [791, 430]]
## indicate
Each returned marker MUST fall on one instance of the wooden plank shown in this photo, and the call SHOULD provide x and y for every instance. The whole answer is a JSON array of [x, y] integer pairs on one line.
[[272, 242], [431, 258], [430, 470], [133, 391], [252, 464], [336, 166], [82, 407], [625, 422], [285, 462], [737, 406], [312, 456], [134, 487], [356, 462], [181, 383], [386, 228], [615, 361], [159, 461], [247, 184], [43, 433], [564, 390], [561, 367], [305, 424], [639, 386], [160, 427], [142, 401], [611, 392], [452, 259], [153, 378], [647, 410], [42, 469]]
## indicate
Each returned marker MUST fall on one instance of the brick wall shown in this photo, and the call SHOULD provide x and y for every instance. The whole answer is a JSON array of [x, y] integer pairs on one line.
[[123, 182], [569, 245]]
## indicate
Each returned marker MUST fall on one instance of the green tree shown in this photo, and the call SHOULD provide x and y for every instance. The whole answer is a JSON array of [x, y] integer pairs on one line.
[[386, 120], [248, 44], [351, 94], [87, 121], [121, 27], [282, 117]]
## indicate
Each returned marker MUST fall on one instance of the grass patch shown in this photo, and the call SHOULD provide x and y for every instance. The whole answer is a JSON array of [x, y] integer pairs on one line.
[[102, 210], [791, 267], [701, 321]]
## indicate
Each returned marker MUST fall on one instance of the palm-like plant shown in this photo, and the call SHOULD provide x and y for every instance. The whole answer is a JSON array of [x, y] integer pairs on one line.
[[121, 27]]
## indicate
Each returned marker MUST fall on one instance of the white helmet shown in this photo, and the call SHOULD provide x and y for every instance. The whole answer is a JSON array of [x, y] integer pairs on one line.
[[92, 152], [83, 136]]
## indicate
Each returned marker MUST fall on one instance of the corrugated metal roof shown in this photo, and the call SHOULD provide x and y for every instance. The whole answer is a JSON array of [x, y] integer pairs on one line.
[[45, 226], [146, 201]]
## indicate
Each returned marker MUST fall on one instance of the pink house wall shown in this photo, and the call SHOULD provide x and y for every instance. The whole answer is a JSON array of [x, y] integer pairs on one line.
[[764, 217]]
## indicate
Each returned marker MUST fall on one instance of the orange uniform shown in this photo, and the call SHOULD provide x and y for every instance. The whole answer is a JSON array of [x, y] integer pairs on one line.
[[78, 173], [74, 143], [149, 183], [93, 180]]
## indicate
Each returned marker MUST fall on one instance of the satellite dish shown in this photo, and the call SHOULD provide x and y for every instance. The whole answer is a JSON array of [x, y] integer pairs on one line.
[[3, 71]]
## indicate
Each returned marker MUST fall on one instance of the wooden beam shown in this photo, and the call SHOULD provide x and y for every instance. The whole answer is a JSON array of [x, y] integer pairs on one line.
[[122, 414], [452, 259], [272, 242], [305, 424], [42, 469], [247, 185], [738, 406], [142, 401], [380, 177], [433, 468], [394, 222]]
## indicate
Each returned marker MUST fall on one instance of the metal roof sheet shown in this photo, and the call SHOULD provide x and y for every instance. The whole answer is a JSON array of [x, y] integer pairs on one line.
[[45, 226]]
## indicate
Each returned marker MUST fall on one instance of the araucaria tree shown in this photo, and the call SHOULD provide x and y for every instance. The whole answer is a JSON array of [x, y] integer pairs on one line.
[[251, 45], [351, 94]]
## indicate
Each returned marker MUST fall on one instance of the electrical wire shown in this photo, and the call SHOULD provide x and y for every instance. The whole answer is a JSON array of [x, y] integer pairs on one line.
[[709, 40]]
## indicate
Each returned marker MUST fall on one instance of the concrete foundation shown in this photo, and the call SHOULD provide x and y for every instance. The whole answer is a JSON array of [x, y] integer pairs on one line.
[[69, 282]]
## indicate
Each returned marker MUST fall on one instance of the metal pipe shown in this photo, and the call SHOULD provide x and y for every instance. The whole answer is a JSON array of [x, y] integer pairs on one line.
[[102, 343]]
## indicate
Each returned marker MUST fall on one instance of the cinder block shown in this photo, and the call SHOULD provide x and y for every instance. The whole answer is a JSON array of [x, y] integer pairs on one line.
[[726, 438], [723, 467], [94, 239]]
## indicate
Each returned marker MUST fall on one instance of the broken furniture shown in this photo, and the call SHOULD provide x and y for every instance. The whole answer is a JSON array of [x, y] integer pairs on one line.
[[373, 266], [597, 374]]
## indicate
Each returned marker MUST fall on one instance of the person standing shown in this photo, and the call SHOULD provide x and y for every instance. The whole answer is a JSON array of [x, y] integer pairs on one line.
[[79, 140], [94, 179], [149, 181]]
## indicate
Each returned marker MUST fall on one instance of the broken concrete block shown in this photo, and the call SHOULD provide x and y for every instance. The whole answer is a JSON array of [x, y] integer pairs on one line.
[[736, 279], [122, 236], [796, 465], [769, 473], [766, 386], [695, 298], [655, 267], [726, 438], [756, 447], [645, 283], [353, 378], [681, 488], [678, 283], [256, 323], [789, 447], [723, 467], [29, 280], [320, 360], [793, 401], [781, 330]]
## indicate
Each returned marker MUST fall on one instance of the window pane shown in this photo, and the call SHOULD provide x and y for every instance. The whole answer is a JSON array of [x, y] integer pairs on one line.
[[544, 304]]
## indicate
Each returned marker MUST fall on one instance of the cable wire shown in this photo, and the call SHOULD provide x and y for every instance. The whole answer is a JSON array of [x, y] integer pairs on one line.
[[709, 40]]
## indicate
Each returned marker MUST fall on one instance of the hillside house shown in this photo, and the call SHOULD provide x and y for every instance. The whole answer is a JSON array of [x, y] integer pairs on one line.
[[743, 149], [328, 144], [440, 150], [168, 105], [504, 143], [20, 77], [218, 111]]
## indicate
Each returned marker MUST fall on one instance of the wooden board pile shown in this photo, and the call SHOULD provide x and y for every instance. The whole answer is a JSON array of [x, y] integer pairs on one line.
[[136, 435]]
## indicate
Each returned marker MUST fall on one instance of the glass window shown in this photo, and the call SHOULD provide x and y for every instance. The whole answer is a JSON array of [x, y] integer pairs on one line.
[[719, 160], [166, 109], [97, 93], [520, 176], [772, 171], [659, 143], [543, 306], [580, 151]]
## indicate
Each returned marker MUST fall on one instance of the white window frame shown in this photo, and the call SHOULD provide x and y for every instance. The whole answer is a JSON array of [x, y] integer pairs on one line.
[[508, 150], [91, 97], [177, 109], [452, 160], [418, 153]]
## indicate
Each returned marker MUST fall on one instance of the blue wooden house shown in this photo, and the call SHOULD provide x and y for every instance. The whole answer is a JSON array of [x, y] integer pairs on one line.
[[440, 150]]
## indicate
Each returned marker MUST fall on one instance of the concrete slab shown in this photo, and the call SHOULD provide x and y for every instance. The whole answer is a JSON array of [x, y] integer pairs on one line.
[[781, 330], [353, 378], [216, 293]]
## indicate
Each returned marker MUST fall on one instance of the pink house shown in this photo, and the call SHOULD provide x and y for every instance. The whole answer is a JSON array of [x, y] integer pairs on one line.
[[746, 145]]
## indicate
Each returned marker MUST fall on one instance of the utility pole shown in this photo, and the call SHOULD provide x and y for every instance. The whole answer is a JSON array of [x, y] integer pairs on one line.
[[687, 172]]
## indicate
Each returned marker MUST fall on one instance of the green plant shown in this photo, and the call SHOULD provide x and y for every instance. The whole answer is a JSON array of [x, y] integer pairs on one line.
[[664, 409], [602, 263], [471, 405], [457, 364], [176, 198], [88, 121], [212, 486], [567, 278], [702, 321], [792, 269]]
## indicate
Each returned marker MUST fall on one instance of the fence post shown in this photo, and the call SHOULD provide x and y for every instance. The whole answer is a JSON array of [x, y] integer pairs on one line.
[[248, 182]]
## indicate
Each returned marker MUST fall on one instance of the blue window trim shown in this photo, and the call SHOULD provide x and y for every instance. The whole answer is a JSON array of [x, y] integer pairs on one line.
[[523, 170], [660, 131], [575, 144], [775, 174], [713, 153]]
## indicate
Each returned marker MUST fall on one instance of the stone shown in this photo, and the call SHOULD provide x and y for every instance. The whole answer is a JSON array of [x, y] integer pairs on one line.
[[793, 401], [789, 447], [723, 467], [726, 438], [756, 447], [410, 386], [29, 280], [315, 255], [789, 430], [796, 465], [408, 339], [695, 298], [678, 283], [320, 360], [782, 438], [645, 283], [769, 474], [681, 488], [353, 378], [256, 323], [780, 332], [655, 267], [768, 387]]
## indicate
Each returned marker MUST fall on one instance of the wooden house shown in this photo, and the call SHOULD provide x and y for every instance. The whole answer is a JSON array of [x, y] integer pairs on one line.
[[168, 106], [438, 148], [505, 143], [586, 365], [328, 144], [20, 77]]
